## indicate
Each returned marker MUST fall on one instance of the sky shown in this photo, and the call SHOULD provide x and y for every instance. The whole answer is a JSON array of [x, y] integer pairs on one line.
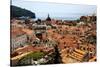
[[42, 9]]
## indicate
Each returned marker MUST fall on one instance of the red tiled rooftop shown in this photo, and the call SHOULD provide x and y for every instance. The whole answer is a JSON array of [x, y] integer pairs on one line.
[[28, 31], [16, 32], [26, 49]]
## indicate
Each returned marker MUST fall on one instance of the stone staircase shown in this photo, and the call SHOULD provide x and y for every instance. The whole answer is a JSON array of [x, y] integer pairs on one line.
[[77, 54]]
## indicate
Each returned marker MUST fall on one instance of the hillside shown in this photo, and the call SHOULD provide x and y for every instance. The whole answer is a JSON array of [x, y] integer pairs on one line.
[[18, 12]]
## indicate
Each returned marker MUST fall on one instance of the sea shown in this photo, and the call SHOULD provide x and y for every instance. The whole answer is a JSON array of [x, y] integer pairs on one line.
[[59, 18]]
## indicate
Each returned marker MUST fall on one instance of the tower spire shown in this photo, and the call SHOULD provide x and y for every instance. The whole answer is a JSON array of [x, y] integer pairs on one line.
[[48, 18]]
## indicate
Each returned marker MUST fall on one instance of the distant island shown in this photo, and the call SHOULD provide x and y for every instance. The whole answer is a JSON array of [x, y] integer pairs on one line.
[[19, 12]]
